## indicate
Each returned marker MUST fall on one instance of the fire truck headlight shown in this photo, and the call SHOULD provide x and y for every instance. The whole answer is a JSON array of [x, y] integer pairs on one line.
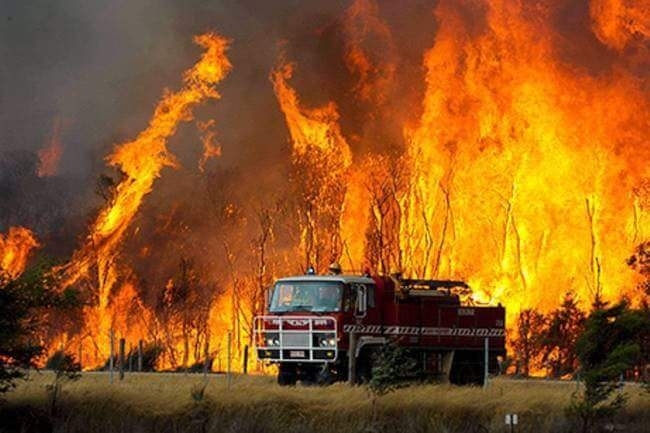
[[272, 340], [327, 341]]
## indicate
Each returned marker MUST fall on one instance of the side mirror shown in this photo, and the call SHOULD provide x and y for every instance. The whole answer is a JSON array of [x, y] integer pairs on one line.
[[268, 295], [362, 301]]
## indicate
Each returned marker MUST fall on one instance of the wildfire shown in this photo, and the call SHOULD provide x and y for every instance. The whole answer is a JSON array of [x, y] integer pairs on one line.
[[522, 169], [15, 248], [322, 157], [338, 194], [140, 162], [311, 129], [618, 22]]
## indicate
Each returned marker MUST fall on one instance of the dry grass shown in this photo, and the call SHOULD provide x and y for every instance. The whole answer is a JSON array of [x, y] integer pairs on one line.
[[164, 403]]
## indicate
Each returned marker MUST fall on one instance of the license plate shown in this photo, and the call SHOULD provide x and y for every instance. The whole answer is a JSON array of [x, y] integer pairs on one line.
[[297, 354]]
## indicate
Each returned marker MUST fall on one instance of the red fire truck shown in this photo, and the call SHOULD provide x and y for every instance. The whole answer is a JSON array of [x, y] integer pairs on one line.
[[323, 328]]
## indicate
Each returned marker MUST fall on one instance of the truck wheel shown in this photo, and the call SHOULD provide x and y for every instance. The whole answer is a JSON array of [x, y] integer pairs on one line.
[[467, 369], [468, 375], [364, 366], [307, 375], [287, 375]]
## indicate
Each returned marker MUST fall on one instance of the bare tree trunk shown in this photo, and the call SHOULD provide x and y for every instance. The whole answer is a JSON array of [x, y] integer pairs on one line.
[[511, 226], [594, 262], [443, 234], [186, 342]]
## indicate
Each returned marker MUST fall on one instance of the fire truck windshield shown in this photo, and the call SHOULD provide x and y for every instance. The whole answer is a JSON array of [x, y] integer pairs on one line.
[[289, 296]]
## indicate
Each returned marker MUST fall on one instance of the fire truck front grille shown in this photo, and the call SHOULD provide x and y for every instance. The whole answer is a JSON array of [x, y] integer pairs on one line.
[[295, 339]]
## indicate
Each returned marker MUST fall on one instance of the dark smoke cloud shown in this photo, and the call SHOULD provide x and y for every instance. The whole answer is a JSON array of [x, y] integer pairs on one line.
[[100, 67]]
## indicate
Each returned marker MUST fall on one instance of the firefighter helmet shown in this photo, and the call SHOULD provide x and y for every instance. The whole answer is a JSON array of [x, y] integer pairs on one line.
[[335, 268]]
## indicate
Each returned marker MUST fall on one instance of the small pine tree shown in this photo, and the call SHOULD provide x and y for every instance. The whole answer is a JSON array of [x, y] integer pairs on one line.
[[66, 369], [23, 302], [606, 349], [390, 368]]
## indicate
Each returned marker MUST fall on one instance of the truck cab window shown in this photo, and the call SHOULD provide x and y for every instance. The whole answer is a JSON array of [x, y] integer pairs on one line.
[[312, 296], [350, 299]]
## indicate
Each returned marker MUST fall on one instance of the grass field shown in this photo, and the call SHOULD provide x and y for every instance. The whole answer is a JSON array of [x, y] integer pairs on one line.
[[255, 404]]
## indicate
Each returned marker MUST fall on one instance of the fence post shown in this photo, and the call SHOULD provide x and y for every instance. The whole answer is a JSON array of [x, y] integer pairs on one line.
[[110, 361], [245, 368], [206, 354], [122, 346], [228, 378], [140, 355]]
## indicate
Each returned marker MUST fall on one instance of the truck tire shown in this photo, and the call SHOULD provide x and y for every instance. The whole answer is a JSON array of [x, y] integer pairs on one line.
[[307, 375], [467, 368], [287, 375], [365, 363]]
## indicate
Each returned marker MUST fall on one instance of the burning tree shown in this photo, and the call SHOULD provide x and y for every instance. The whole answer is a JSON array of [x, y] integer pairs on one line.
[[15, 248], [183, 312], [640, 262], [140, 162], [558, 340], [527, 345], [321, 158], [386, 185]]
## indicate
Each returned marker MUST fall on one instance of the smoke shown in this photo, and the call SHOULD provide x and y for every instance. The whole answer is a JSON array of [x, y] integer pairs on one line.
[[101, 68]]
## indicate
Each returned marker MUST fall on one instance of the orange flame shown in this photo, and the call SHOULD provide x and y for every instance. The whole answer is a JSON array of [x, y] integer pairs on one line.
[[211, 148], [50, 155], [522, 169], [141, 161], [15, 248], [618, 22], [366, 220], [323, 155], [310, 129]]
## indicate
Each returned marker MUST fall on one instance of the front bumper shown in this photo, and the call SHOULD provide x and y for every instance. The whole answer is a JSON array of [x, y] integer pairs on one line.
[[296, 338]]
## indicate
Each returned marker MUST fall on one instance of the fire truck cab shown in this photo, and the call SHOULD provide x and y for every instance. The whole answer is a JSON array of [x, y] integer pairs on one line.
[[323, 328]]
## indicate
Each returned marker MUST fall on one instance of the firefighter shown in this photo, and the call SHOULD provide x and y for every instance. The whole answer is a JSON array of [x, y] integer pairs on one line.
[[335, 268]]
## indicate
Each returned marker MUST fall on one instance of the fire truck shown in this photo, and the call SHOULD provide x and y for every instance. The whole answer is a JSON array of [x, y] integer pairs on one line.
[[324, 328]]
